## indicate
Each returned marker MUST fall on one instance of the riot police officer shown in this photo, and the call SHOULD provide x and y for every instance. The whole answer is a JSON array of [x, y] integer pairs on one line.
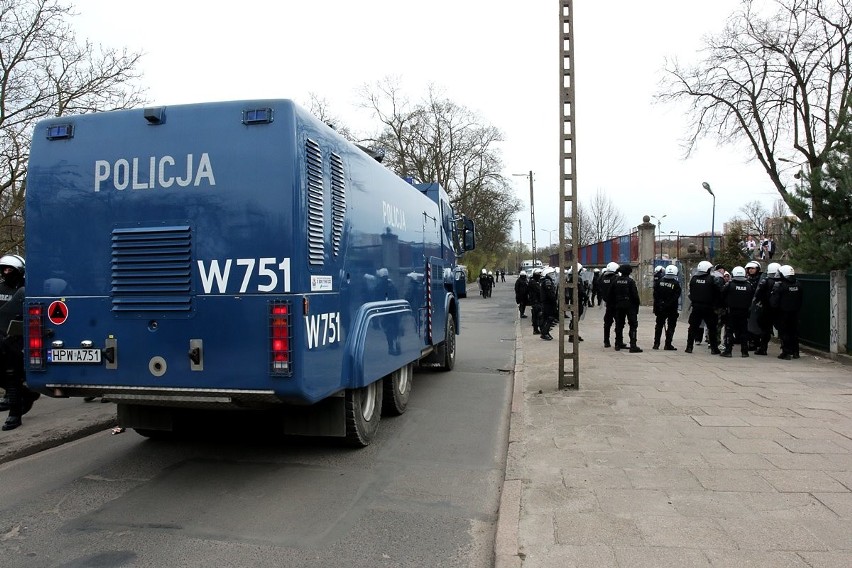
[[667, 293], [761, 311], [704, 295], [20, 398], [596, 288], [625, 297], [736, 298], [610, 273], [534, 295], [484, 284], [549, 302], [753, 275], [583, 294], [521, 285], [786, 300]]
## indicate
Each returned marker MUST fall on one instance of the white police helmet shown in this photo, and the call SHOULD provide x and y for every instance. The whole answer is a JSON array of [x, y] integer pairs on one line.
[[787, 271], [772, 269], [671, 270], [659, 269], [13, 261], [753, 264], [704, 267], [738, 273], [612, 267]]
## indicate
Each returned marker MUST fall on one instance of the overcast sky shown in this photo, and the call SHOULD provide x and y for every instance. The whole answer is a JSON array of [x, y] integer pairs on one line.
[[497, 57]]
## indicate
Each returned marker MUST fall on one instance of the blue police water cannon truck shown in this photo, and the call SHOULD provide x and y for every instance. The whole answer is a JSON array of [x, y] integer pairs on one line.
[[233, 255]]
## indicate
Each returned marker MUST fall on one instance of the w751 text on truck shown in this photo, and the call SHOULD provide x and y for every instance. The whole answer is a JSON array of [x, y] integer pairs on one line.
[[234, 255]]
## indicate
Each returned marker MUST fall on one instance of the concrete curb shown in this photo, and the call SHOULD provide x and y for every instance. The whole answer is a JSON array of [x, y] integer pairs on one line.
[[57, 438], [507, 547]]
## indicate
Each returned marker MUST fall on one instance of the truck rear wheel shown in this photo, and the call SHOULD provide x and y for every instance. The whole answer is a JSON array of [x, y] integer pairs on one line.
[[397, 390], [363, 411], [448, 361]]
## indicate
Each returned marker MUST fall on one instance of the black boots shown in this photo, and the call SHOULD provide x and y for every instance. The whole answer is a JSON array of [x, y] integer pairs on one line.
[[11, 423]]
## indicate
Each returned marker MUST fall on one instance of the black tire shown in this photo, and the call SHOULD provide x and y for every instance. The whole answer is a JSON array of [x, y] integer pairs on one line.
[[397, 390], [363, 411], [155, 434], [448, 348]]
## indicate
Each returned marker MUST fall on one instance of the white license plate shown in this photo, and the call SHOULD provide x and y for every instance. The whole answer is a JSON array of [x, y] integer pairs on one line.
[[74, 356]]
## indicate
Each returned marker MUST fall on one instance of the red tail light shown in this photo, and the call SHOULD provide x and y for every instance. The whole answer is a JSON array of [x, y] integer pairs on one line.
[[35, 337], [279, 338]]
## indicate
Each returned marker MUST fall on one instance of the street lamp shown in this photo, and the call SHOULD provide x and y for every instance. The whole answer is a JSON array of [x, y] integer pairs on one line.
[[706, 186], [532, 211], [549, 235], [659, 233]]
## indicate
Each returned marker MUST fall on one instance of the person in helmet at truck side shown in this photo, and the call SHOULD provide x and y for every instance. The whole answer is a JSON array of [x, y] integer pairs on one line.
[[736, 297], [625, 297], [610, 273], [786, 301], [762, 312], [549, 303], [534, 299], [704, 295], [521, 293], [19, 399], [7, 290], [667, 293]]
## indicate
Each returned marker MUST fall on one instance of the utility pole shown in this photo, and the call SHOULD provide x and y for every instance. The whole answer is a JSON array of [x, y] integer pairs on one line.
[[568, 203], [520, 243], [532, 218], [532, 211]]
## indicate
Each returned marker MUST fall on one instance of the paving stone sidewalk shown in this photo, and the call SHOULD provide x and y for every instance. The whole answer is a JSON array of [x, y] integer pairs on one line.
[[672, 459]]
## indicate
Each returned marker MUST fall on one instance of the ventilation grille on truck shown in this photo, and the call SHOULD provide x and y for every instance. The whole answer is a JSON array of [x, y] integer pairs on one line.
[[338, 202], [316, 221], [151, 269]]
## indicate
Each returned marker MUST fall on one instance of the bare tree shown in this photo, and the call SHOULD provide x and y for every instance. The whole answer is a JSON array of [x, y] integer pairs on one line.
[[438, 140], [585, 227], [600, 220], [778, 78], [779, 209], [320, 108], [44, 72], [755, 218]]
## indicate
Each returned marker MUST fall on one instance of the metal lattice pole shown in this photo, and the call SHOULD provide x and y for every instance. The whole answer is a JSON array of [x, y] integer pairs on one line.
[[569, 350]]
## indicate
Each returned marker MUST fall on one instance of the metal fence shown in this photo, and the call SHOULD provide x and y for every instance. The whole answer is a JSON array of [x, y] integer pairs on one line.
[[623, 250], [815, 315]]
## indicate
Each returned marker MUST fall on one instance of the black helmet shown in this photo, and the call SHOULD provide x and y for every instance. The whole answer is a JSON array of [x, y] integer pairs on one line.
[[625, 269]]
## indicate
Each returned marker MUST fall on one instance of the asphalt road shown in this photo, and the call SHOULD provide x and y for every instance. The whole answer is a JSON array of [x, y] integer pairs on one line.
[[425, 493]]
